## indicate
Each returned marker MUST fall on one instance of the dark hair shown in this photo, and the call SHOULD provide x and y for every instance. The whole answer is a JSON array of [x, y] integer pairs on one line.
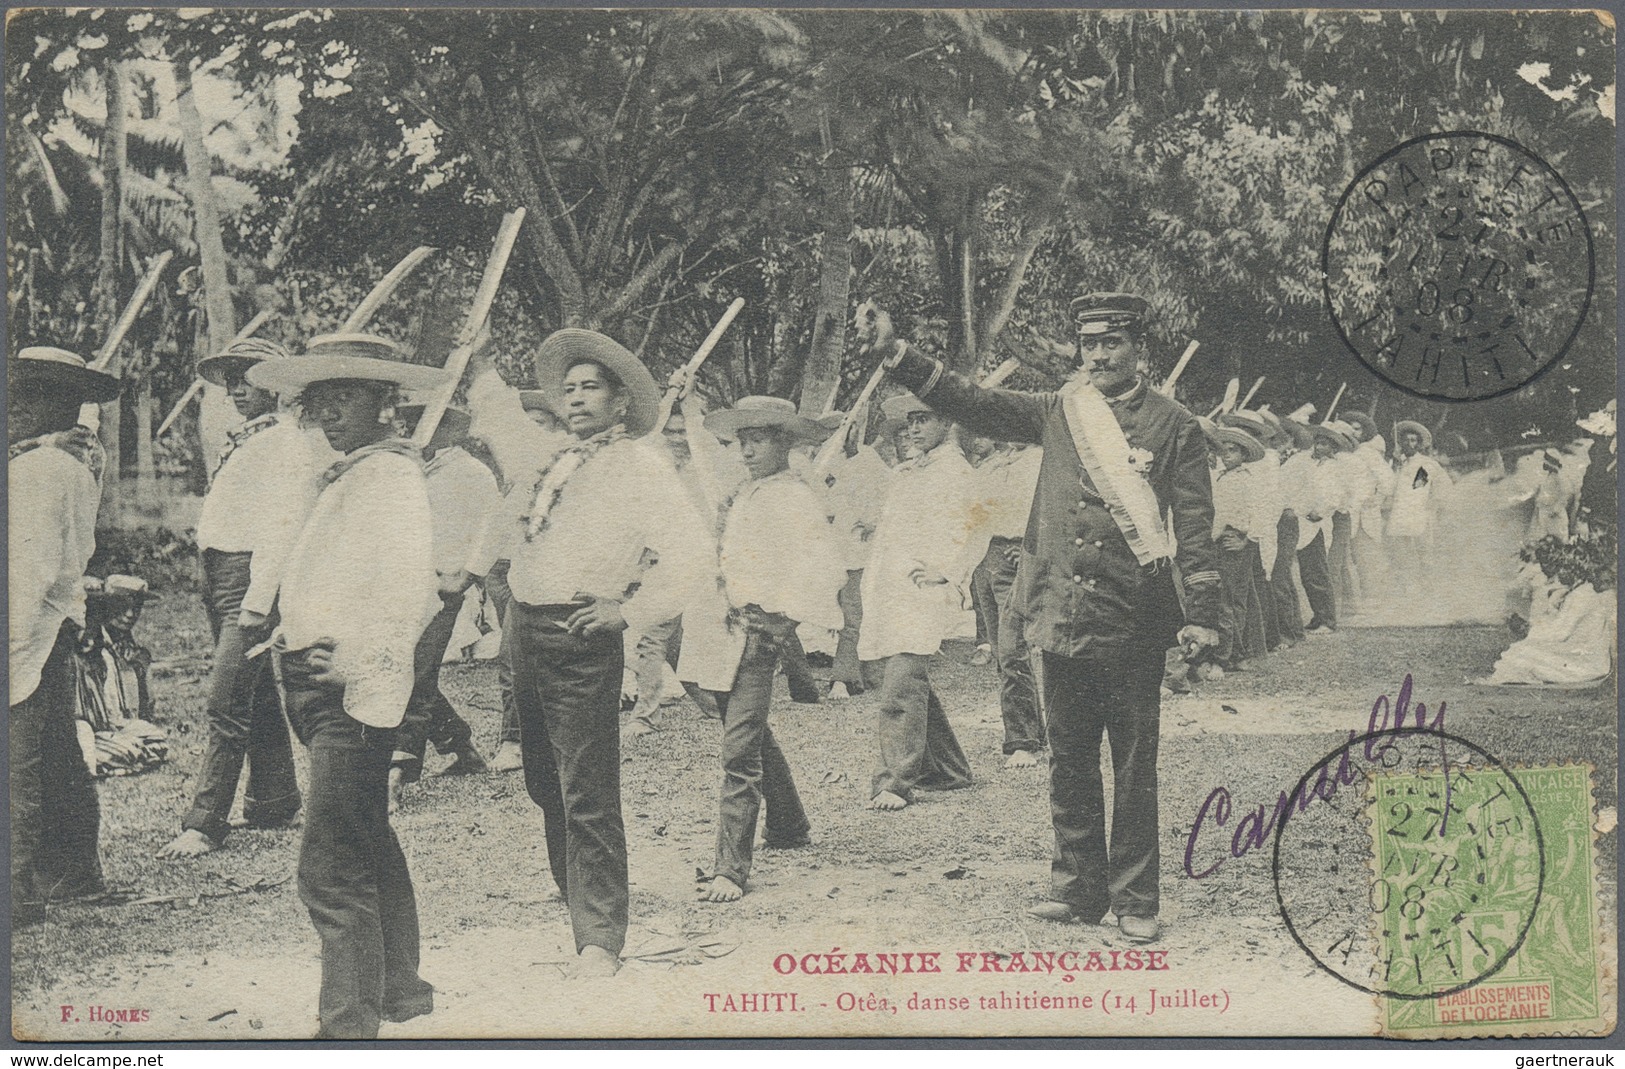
[[616, 386]]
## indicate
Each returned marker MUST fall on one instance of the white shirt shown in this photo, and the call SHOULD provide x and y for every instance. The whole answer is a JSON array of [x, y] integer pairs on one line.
[[928, 521], [463, 499], [259, 501], [1233, 499], [623, 501], [362, 573], [1415, 507], [1007, 483], [855, 500], [778, 552], [52, 504], [1376, 487], [1268, 502]]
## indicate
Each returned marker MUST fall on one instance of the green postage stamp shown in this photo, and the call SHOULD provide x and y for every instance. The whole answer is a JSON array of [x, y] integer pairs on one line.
[[1484, 902]]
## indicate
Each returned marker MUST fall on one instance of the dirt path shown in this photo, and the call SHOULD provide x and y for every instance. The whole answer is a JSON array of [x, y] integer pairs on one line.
[[955, 873]]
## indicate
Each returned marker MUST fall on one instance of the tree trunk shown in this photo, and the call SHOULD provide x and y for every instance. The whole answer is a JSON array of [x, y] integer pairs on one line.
[[956, 264], [821, 378], [145, 467], [216, 412], [1005, 304], [109, 261]]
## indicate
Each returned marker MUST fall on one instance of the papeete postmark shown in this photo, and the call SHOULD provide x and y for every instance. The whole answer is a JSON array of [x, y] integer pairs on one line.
[[1455, 928], [1458, 265]]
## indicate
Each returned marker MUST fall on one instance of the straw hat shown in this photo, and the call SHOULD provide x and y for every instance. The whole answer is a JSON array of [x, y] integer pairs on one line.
[[1340, 441], [1416, 428], [238, 357], [345, 356], [758, 412], [126, 586], [566, 348], [1252, 449], [60, 372], [1364, 424]]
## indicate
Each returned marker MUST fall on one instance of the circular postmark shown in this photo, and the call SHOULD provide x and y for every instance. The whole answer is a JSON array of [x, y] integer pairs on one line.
[[1419, 883], [1458, 266]]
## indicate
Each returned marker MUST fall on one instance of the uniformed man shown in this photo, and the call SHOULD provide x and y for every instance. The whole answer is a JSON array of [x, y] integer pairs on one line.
[[1096, 586]]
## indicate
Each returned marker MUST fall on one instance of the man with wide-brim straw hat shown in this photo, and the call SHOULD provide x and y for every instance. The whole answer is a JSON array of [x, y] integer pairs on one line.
[[1317, 488], [54, 474], [1096, 587], [1357, 486], [463, 497], [357, 589], [1276, 540], [1419, 490], [916, 585], [1412, 437], [1238, 523], [1373, 478], [776, 566], [262, 489], [597, 506]]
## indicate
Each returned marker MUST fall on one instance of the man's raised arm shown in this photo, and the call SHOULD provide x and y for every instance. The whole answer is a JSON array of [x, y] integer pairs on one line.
[[1003, 415]]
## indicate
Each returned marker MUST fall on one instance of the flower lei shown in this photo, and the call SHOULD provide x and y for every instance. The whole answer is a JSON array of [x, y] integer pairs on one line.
[[78, 442], [551, 481], [235, 439]]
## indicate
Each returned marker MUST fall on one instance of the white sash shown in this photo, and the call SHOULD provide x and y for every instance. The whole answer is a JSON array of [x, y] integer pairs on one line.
[[1104, 451]]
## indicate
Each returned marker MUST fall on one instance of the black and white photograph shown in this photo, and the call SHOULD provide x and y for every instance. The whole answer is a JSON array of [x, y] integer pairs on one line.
[[746, 523]]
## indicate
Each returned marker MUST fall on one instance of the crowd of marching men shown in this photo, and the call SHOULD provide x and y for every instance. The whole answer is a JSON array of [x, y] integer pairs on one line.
[[610, 526]]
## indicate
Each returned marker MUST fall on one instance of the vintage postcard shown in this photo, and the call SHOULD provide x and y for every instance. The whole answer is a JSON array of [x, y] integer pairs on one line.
[[561, 523]]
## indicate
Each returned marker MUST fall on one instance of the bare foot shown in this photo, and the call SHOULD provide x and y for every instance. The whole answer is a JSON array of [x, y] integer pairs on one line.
[[396, 779], [467, 762], [838, 692], [189, 843], [720, 889], [888, 802], [596, 963], [508, 758], [1021, 759]]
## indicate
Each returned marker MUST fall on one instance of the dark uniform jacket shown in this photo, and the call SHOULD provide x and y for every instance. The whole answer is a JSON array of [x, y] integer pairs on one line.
[[1080, 591]]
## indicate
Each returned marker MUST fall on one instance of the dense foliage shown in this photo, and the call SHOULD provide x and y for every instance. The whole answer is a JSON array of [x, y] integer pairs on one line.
[[969, 171]]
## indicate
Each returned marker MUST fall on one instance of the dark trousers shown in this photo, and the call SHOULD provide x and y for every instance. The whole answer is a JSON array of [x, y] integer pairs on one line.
[[918, 748], [1018, 691], [1317, 582], [496, 588], [55, 815], [352, 874], [1340, 560], [985, 603], [1244, 621], [1266, 598], [847, 668], [754, 770], [1288, 616], [429, 716], [1115, 694], [568, 690], [246, 723]]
